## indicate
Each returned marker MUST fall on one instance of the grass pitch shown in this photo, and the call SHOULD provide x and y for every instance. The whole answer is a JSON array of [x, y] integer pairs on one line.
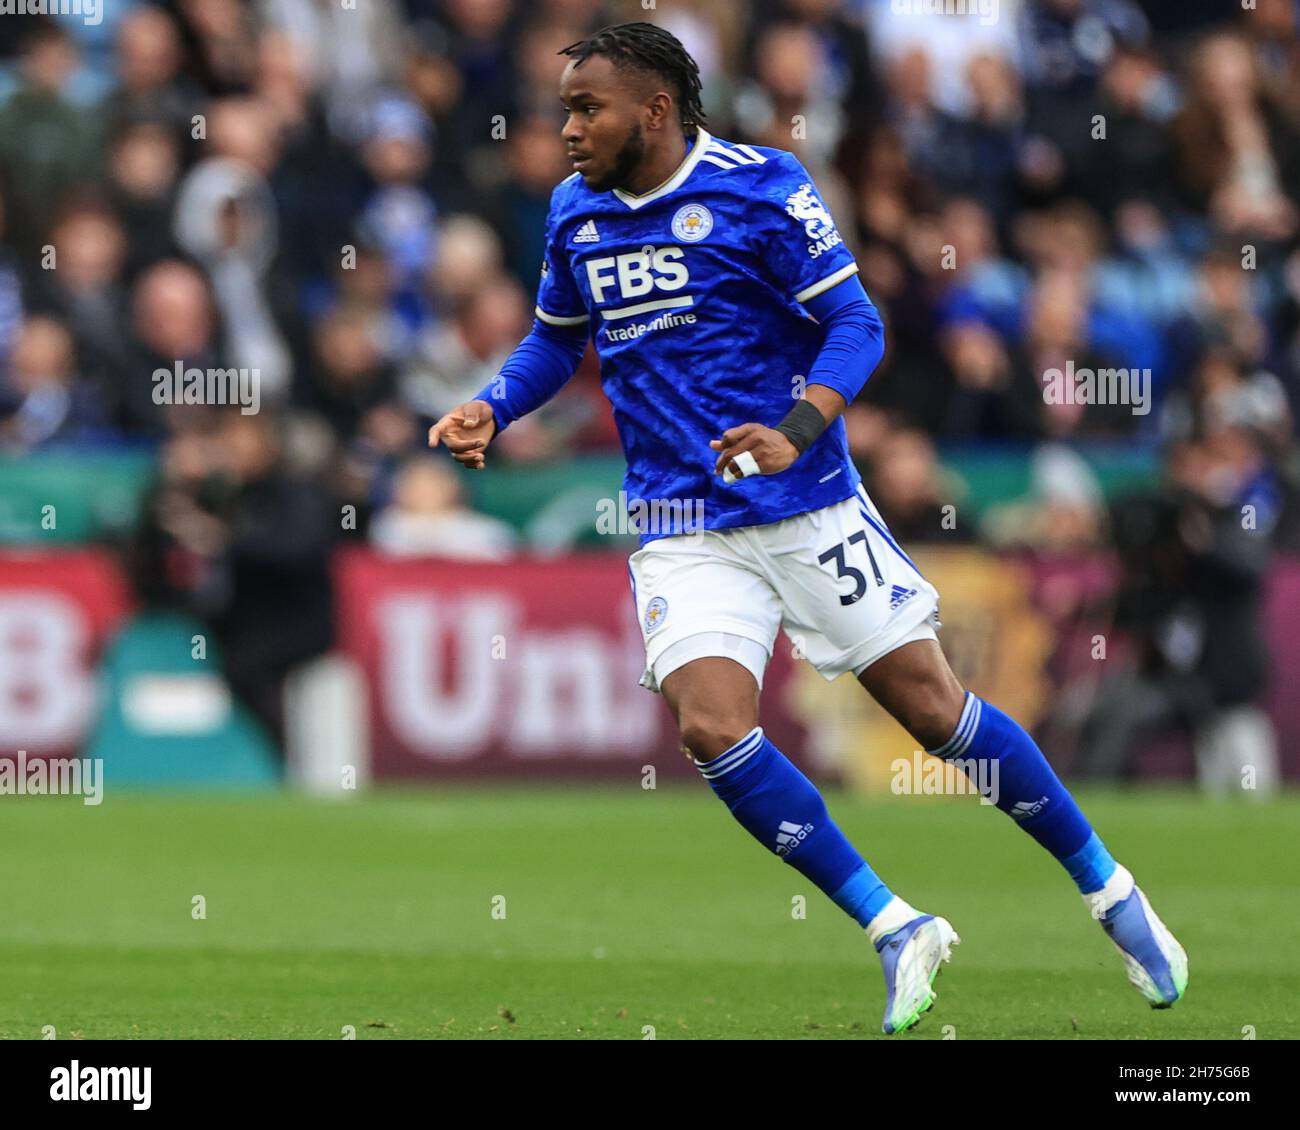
[[627, 913]]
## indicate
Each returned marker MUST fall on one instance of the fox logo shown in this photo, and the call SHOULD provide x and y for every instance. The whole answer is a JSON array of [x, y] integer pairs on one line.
[[818, 225]]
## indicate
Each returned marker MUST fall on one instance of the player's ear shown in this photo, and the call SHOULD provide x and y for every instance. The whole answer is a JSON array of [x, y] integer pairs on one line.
[[658, 108]]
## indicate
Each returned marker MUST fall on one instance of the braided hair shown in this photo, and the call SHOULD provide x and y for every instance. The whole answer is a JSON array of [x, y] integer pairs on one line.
[[651, 50]]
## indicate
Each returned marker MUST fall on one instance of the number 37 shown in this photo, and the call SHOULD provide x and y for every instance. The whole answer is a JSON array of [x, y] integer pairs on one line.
[[844, 569]]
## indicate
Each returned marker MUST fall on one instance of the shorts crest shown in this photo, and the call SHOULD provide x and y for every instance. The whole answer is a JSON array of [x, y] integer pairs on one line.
[[656, 612]]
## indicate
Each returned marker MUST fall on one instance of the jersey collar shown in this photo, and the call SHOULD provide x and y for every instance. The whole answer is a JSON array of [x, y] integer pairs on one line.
[[703, 139]]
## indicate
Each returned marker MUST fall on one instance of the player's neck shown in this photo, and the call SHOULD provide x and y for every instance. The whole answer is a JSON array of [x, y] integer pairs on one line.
[[658, 167]]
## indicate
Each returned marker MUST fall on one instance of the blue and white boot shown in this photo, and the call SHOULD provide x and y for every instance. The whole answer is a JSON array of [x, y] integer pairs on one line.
[[911, 956], [1156, 963]]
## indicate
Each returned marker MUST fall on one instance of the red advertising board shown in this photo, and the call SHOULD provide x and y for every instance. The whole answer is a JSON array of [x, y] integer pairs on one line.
[[525, 668], [532, 667], [57, 609]]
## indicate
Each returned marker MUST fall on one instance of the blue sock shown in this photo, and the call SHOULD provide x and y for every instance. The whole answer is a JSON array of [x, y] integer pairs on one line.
[[782, 809], [1027, 790]]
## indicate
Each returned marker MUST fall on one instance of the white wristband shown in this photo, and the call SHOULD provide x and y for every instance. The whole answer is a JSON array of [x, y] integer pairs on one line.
[[747, 464]]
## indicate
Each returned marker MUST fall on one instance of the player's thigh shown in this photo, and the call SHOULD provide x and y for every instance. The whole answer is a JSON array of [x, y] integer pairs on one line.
[[709, 621], [715, 703]]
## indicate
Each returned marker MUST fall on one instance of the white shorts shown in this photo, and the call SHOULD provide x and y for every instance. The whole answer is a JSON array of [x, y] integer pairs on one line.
[[834, 578]]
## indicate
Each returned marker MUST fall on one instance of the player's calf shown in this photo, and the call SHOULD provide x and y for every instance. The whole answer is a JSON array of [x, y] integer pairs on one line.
[[783, 810], [713, 699], [1029, 791]]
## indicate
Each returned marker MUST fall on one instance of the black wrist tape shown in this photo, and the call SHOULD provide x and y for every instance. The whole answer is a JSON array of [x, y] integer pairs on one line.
[[802, 424]]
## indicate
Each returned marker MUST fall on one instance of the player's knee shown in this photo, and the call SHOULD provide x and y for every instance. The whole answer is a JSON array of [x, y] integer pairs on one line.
[[706, 738]]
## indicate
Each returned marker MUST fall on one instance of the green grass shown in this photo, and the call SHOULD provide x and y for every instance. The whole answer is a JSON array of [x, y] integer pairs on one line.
[[624, 909]]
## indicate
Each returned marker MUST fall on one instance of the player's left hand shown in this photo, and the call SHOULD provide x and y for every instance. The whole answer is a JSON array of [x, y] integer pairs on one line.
[[771, 450]]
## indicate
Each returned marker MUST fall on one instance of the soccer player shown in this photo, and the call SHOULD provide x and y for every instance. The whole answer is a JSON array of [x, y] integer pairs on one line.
[[732, 332]]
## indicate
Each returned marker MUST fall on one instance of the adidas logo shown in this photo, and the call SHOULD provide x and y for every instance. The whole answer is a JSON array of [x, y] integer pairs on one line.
[[898, 596], [587, 233], [790, 836], [1027, 808]]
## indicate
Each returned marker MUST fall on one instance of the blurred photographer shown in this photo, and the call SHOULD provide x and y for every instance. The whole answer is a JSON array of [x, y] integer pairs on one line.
[[1195, 557], [231, 536]]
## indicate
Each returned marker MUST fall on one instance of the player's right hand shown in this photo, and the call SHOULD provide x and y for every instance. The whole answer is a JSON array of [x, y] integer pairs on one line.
[[466, 432]]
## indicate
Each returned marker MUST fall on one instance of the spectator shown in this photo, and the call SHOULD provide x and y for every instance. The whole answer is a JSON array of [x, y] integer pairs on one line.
[[1192, 598], [465, 353], [400, 217], [48, 144], [150, 84], [143, 169], [232, 536], [173, 323], [1237, 149], [87, 293], [45, 401], [428, 518], [349, 377], [909, 488], [226, 219]]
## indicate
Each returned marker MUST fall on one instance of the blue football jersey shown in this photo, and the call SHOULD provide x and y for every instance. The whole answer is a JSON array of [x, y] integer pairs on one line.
[[692, 295]]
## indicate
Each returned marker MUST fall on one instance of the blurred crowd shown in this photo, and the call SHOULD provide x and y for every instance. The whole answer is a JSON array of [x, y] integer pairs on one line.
[[350, 199]]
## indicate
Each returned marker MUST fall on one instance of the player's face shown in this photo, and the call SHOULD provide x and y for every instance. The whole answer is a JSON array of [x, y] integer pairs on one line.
[[604, 133]]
